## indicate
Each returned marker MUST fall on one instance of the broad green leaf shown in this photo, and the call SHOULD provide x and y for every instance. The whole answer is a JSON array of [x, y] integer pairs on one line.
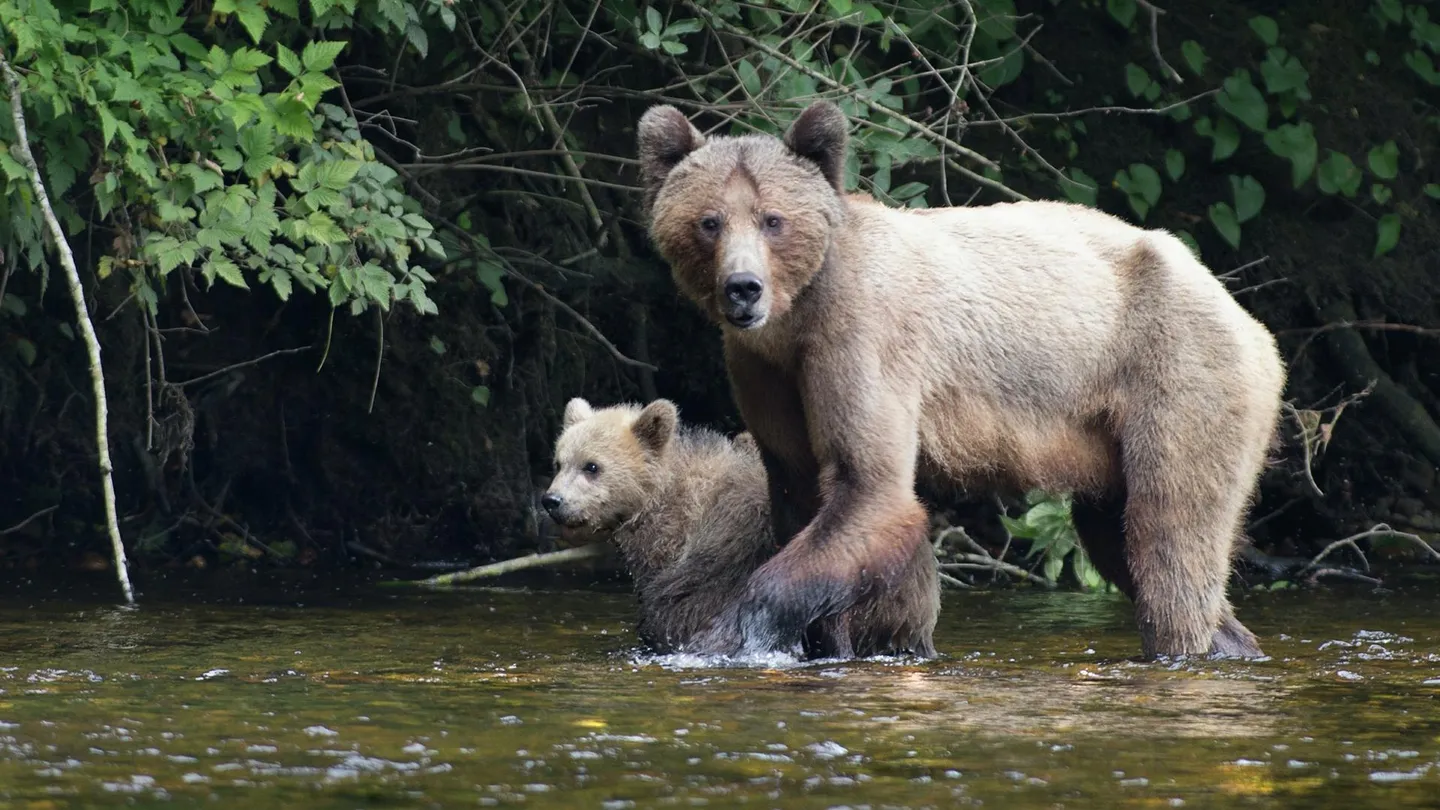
[[673, 47], [223, 268], [1241, 98], [254, 18], [288, 60], [1194, 56], [1384, 160], [1296, 143], [490, 274], [1123, 11], [1283, 73], [1265, 28], [1147, 182], [1136, 79], [336, 174], [25, 350], [749, 78], [1222, 216], [1337, 174], [249, 60], [320, 56], [653, 19], [480, 395], [1380, 193], [1249, 197], [1387, 234], [1226, 139], [1080, 187], [683, 27], [1432, 190], [1174, 164]]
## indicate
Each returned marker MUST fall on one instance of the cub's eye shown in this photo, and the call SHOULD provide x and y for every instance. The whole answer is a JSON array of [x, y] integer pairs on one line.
[[710, 224], [591, 468], [773, 222]]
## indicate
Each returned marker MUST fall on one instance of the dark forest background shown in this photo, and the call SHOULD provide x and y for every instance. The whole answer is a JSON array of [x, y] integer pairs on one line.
[[348, 259]]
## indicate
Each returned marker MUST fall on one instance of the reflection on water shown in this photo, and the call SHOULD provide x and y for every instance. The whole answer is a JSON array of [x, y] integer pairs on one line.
[[535, 698]]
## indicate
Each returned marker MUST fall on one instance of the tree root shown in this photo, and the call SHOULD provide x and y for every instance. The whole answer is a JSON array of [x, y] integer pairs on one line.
[[1408, 414]]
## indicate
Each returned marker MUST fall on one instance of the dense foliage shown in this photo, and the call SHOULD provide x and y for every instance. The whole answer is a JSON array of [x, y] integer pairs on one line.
[[435, 204]]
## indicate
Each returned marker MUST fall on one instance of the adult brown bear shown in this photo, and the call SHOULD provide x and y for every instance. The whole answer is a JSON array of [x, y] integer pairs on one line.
[[1023, 344], [688, 509]]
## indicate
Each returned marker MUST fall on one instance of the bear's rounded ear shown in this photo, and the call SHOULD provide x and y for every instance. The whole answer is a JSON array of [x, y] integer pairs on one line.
[[744, 442], [577, 410], [656, 425], [665, 137], [819, 135]]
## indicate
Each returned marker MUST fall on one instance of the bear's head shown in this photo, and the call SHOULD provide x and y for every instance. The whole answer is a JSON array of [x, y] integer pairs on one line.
[[608, 463], [744, 221]]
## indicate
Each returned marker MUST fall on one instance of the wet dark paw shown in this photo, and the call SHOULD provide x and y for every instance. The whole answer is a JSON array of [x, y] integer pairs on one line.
[[1234, 640]]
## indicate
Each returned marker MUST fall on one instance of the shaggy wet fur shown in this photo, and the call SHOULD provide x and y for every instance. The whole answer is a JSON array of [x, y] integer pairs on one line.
[[1029, 344], [689, 512]]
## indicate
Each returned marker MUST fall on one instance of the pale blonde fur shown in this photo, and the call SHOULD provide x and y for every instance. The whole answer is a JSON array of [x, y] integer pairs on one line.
[[1031, 344]]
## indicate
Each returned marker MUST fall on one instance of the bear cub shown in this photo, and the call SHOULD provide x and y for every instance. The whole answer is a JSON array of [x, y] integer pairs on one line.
[[689, 511]]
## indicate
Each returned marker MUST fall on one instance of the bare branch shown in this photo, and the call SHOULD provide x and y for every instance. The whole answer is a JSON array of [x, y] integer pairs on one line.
[[262, 358], [22, 524]]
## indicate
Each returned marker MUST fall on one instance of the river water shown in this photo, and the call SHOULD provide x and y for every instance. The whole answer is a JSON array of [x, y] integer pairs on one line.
[[352, 695]]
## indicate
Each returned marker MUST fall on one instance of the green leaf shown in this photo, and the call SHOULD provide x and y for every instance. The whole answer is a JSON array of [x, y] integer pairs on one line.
[[1226, 139], [25, 350], [1054, 564], [1194, 56], [749, 78], [254, 18], [437, 345], [1296, 143], [223, 268], [1146, 182], [1385, 160], [480, 395], [841, 7], [682, 27], [1265, 28], [673, 47], [320, 56], [288, 60], [1085, 571], [1432, 190], [1174, 164], [653, 19], [1380, 193], [1136, 79], [336, 175], [1387, 234], [1123, 11], [1249, 197], [490, 274], [1241, 98], [1420, 62], [1283, 73], [249, 60], [1222, 216], [1080, 187], [1338, 175], [15, 305], [650, 40], [1390, 10]]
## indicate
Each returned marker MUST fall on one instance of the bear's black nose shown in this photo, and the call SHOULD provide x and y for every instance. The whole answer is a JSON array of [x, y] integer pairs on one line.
[[744, 288], [550, 501]]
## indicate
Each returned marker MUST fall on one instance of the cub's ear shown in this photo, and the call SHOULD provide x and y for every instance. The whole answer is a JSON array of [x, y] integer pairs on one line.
[[744, 442], [655, 426], [665, 137], [577, 410], [819, 135]]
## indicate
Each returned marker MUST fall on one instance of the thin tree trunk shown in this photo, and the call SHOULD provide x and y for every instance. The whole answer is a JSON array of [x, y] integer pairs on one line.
[[87, 329]]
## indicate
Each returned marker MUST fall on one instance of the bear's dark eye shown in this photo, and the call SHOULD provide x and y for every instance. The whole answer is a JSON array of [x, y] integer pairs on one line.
[[710, 224], [773, 222], [591, 468]]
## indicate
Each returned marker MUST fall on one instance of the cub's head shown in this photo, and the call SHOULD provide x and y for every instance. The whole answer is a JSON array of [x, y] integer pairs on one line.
[[608, 462], [746, 221]]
